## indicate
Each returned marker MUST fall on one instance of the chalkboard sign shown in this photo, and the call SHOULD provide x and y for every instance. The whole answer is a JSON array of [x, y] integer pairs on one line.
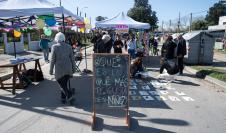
[[111, 80]]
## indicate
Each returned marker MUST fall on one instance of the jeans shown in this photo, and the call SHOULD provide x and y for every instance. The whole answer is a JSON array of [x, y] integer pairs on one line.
[[46, 54], [132, 53], [181, 64], [65, 91]]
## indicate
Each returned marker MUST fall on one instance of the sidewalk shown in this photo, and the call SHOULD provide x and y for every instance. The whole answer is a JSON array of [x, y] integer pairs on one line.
[[219, 60]]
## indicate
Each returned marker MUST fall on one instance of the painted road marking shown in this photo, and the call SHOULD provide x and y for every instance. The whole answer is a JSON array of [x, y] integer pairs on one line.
[[133, 83], [174, 99], [148, 98], [132, 93], [136, 98], [180, 93], [144, 93], [139, 81], [161, 98], [154, 93], [188, 99], [164, 92], [170, 88], [133, 87], [146, 87]]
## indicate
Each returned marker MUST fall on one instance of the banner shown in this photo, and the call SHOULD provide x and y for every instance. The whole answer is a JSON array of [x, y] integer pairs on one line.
[[122, 29]]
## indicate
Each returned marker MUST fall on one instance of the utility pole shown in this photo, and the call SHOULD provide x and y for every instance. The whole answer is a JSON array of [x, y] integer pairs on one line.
[[179, 24], [85, 15], [190, 28], [162, 26], [77, 10]]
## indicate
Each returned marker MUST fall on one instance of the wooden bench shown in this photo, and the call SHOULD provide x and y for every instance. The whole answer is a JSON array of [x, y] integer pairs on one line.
[[4, 78]]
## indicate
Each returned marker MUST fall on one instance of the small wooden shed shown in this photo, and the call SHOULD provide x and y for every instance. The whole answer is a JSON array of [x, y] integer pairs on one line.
[[200, 46]]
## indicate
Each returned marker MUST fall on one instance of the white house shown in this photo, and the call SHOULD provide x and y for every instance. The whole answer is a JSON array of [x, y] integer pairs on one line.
[[221, 24]]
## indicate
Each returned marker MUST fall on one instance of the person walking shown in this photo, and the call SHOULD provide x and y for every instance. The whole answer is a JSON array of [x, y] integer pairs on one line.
[[167, 53], [181, 52], [63, 60], [44, 45], [131, 44], [118, 44]]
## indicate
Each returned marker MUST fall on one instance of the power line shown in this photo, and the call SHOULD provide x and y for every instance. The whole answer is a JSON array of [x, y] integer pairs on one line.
[[200, 12]]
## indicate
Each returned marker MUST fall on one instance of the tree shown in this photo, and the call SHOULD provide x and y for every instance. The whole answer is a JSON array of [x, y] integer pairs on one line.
[[215, 12], [100, 18], [199, 25], [142, 12]]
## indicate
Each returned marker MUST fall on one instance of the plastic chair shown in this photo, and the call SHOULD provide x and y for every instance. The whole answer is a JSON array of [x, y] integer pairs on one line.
[[78, 58]]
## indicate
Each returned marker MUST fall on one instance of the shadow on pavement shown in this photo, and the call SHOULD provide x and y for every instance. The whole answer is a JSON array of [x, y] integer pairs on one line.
[[134, 127], [44, 98], [151, 61], [183, 82], [172, 122]]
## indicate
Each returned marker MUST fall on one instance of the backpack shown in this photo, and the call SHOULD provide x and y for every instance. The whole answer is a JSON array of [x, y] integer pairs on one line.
[[24, 80], [31, 75], [173, 67]]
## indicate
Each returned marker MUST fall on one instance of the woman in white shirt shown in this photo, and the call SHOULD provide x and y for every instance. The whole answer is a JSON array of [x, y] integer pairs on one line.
[[132, 46]]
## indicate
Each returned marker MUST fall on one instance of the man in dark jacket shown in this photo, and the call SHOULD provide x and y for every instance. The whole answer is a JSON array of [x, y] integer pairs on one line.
[[95, 40], [167, 52], [105, 44], [181, 52]]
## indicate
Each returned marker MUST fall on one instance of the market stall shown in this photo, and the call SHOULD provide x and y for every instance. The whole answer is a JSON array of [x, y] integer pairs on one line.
[[121, 20], [17, 15]]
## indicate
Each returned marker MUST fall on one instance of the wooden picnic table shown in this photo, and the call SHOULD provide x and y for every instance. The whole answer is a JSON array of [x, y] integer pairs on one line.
[[17, 69]]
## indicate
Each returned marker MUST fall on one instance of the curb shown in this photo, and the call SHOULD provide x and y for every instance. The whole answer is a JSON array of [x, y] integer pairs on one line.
[[207, 78]]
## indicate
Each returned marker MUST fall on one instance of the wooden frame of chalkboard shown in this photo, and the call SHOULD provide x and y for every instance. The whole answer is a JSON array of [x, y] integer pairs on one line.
[[119, 65]]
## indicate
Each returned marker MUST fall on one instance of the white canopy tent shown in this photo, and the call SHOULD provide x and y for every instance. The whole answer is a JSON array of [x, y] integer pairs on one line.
[[15, 10], [122, 19], [18, 8]]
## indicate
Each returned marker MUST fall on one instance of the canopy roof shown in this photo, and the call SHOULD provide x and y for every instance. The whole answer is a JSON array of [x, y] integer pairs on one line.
[[18, 8], [122, 19]]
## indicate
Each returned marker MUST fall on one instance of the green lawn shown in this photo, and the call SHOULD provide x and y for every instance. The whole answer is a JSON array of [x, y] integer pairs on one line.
[[222, 51], [212, 72]]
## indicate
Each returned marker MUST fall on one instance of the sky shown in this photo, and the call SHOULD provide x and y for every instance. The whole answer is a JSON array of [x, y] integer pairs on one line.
[[166, 9]]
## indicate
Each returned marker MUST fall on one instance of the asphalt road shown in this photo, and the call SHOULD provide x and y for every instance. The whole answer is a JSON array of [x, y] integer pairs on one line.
[[166, 104]]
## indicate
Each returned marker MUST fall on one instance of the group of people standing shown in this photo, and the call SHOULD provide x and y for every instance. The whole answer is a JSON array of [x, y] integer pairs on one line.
[[173, 50], [103, 43]]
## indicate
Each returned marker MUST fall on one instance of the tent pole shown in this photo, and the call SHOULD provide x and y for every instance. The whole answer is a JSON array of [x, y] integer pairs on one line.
[[62, 18], [63, 24], [14, 43]]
